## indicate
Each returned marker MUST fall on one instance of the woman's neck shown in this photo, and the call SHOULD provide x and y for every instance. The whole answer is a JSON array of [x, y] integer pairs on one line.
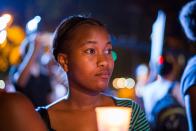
[[83, 100]]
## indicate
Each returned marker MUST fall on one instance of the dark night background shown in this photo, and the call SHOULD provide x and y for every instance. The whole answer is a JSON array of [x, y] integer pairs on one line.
[[130, 21]]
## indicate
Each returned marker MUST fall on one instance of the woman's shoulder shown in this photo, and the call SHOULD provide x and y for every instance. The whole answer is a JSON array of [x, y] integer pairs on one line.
[[59, 103], [46, 111], [139, 121], [52, 107], [125, 102]]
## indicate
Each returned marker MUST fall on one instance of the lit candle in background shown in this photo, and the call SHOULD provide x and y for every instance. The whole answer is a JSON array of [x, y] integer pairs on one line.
[[113, 118]]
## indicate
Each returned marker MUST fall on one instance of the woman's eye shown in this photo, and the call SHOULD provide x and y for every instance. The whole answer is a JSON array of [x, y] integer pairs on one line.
[[108, 51], [90, 51]]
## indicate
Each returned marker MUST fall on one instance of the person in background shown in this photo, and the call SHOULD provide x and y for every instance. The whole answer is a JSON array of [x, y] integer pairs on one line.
[[187, 19], [17, 113], [82, 47], [156, 90], [32, 77]]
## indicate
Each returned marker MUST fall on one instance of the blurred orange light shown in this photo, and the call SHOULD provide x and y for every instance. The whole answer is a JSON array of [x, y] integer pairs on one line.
[[2, 45], [3, 64], [14, 57], [15, 34], [126, 93]]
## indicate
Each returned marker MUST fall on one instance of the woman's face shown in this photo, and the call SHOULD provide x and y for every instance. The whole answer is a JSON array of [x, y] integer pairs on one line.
[[90, 62]]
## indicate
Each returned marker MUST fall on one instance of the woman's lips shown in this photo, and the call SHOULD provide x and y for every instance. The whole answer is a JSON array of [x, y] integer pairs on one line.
[[104, 75]]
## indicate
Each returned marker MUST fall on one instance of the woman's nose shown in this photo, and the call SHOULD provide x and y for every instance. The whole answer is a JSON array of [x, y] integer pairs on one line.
[[102, 60]]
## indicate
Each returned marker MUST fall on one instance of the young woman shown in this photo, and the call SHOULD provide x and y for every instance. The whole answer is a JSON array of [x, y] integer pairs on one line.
[[82, 46]]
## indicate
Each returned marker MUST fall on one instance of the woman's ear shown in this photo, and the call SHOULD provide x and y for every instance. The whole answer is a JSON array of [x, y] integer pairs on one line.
[[63, 61]]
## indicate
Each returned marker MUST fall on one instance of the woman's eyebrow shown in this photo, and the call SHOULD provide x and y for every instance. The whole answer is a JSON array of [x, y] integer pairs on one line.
[[109, 42], [94, 42]]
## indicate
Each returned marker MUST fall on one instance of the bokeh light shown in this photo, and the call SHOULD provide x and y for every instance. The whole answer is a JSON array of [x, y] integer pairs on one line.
[[15, 35], [3, 35], [114, 55], [130, 83], [123, 83], [2, 84], [11, 37], [32, 25], [14, 57], [5, 20]]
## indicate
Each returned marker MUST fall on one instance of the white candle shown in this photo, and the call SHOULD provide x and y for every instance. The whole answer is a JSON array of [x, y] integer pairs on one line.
[[113, 118]]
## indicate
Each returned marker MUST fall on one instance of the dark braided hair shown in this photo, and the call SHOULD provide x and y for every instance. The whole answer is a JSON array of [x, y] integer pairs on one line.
[[64, 31]]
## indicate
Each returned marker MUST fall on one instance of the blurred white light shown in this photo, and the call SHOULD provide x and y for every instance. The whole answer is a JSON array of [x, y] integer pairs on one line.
[[4, 20], [121, 83], [60, 91], [114, 83], [142, 70], [45, 58], [157, 37], [130, 83], [33, 24], [2, 84], [6, 17], [3, 35]]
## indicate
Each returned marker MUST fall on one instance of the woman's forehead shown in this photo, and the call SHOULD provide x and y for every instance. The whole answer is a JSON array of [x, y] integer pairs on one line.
[[88, 28], [90, 34]]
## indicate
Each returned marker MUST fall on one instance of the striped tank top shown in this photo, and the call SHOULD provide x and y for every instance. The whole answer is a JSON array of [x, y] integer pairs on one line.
[[138, 119]]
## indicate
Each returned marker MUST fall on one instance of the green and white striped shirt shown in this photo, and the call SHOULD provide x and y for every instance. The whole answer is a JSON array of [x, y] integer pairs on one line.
[[138, 119]]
